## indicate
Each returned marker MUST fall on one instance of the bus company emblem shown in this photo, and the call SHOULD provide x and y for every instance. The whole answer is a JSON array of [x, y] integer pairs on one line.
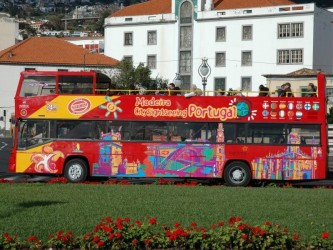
[[23, 112], [79, 106]]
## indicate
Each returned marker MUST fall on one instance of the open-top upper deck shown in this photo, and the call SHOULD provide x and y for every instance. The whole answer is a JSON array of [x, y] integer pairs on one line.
[[88, 95]]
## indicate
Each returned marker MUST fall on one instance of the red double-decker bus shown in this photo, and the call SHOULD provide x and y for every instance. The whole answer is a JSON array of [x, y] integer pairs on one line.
[[68, 124]]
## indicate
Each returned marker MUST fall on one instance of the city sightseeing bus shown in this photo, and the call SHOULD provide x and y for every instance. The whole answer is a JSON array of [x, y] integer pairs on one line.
[[69, 124]]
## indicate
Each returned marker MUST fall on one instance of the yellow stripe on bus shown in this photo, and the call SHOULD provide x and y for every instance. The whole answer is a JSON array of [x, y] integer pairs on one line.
[[70, 107]]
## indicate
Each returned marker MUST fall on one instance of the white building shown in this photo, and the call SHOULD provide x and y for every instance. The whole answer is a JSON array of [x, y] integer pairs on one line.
[[9, 31], [242, 40]]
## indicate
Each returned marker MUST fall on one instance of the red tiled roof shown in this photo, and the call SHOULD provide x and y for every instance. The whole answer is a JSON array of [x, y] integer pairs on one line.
[[146, 8], [164, 6], [53, 51], [241, 4]]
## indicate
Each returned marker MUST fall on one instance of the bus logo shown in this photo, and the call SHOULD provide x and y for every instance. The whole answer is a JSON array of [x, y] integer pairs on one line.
[[79, 106]]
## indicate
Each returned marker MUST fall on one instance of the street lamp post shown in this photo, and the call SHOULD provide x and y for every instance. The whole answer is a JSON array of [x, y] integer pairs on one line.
[[204, 71]]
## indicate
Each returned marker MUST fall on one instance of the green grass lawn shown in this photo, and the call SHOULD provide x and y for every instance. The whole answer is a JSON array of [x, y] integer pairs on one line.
[[39, 209]]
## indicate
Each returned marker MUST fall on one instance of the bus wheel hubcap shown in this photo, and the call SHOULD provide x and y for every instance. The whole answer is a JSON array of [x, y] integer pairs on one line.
[[75, 172], [237, 175]]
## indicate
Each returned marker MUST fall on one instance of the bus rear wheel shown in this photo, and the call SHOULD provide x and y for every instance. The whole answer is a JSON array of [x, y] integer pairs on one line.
[[237, 173], [76, 170]]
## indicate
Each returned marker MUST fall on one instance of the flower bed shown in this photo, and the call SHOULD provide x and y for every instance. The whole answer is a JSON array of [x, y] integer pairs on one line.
[[134, 234]]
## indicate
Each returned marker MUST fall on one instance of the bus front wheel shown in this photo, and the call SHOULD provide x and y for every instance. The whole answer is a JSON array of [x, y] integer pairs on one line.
[[237, 173], [76, 170]]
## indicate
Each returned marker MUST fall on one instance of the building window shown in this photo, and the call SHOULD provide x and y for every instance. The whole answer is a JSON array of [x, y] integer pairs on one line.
[[247, 32], [220, 59], [152, 38], [219, 84], [128, 58], [220, 34], [246, 84], [290, 30], [291, 56], [186, 83], [185, 37], [185, 62], [151, 61], [128, 38], [186, 12], [296, 56], [185, 41], [246, 58], [329, 91], [101, 47]]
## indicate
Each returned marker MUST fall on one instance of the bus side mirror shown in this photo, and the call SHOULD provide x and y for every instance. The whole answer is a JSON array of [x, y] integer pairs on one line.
[[1, 118]]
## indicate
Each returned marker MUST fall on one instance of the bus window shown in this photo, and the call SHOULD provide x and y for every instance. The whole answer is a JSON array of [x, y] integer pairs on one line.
[[76, 84], [148, 131], [266, 133], [194, 131], [103, 84], [308, 134], [33, 132], [77, 130], [38, 85], [118, 128], [235, 133]]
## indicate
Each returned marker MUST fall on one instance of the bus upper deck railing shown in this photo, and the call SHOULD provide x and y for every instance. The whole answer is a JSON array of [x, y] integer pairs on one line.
[[199, 93]]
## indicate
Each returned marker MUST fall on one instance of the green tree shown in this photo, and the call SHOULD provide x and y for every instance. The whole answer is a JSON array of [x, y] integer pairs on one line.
[[99, 25], [130, 77], [56, 22]]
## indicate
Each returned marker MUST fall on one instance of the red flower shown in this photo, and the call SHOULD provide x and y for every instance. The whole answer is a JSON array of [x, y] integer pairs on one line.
[[296, 237], [118, 235], [213, 226], [100, 244], [134, 242], [59, 235], [233, 220], [244, 236], [267, 223], [139, 223], [152, 221], [325, 235], [262, 232], [107, 229], [241, 227], [32, 238], [193, 224], [111, 236], [127, 219], [96, 239], [221, 224], [177, 224], [147, 242]]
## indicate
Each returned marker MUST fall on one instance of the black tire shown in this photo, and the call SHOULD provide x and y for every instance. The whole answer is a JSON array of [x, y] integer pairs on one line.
[[237, 174], [76, 170]]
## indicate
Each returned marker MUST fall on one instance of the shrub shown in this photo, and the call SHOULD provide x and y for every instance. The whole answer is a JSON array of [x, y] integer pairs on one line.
[[124, 233]]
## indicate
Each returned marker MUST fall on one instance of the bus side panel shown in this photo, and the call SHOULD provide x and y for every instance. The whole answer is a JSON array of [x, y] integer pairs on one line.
[[285, 162], [158, 160]]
